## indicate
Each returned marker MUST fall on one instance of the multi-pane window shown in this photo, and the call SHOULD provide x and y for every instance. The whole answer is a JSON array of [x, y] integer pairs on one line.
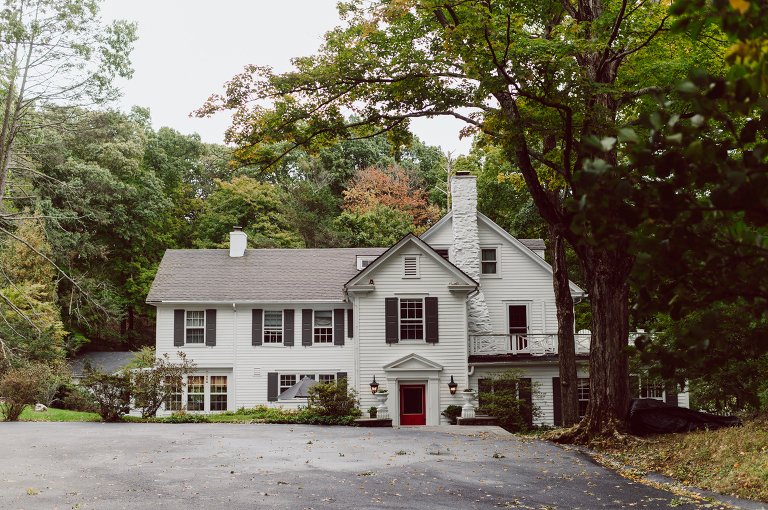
[[488, 261], [323, 327], [195, 327], [411, 319], [286, 381], [196, 393], [327, 378], [582, 390], [218, 393], [173, 401], [273, 327]]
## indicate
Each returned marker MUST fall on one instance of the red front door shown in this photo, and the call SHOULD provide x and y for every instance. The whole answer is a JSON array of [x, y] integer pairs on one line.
[[413, 405]]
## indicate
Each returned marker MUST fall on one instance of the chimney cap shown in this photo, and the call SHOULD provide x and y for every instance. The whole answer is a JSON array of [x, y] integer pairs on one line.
[[462, 172], [238, 229]]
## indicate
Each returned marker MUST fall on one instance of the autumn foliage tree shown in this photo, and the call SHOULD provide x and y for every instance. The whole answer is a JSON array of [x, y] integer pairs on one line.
[[392, 187]]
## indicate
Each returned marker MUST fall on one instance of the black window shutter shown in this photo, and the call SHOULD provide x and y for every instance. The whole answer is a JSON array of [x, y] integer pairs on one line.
[[210, 327], [288, 328], [390, 329], [557, 401], [338, 326], [430, 309], [526, 395], [272, 388], [350, 327], [178, 328], [341, 376], [256, 326], [306, 327]]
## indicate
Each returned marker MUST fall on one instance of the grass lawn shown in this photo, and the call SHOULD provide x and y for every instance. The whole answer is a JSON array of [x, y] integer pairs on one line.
[[52, 414], [731, 461]]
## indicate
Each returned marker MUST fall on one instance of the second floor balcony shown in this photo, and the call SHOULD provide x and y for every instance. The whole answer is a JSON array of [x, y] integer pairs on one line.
[[535, 344]]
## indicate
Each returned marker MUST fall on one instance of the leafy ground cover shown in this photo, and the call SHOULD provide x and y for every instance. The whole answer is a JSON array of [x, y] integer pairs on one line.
[[730, 461]]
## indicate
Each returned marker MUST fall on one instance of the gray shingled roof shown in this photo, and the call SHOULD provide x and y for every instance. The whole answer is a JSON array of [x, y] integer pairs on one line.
[[533, 244], [109, 361], [260, 275]]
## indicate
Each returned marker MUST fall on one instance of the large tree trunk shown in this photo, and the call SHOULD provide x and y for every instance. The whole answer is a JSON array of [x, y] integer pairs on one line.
[[607, 272], [566, 347]]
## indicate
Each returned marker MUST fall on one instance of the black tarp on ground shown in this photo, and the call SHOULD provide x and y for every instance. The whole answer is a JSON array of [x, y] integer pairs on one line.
[[650, 416]]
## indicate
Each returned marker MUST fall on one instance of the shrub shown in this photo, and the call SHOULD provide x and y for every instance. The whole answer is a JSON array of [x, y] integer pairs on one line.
[[333, 399], [508, 397], [185, 417], [78, 399], [19, 388], [51, 376], [155, 385], [111, 393], [452, 412]]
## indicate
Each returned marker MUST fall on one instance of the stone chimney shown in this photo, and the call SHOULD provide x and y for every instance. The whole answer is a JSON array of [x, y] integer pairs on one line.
[[238, 240], [466, 246]]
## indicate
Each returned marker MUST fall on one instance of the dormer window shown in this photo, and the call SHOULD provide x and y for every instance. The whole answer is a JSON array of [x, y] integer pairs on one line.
[[364, 261], [410, 266]]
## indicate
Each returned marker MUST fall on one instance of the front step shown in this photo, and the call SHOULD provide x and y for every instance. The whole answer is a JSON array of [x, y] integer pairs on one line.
[[477, 420]]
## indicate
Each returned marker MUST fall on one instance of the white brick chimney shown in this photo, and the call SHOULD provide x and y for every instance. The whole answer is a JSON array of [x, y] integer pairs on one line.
[[238, 240], [466, 246]]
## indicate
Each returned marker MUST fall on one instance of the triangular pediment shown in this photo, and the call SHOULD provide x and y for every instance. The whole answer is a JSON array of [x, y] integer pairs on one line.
[[413, 362]]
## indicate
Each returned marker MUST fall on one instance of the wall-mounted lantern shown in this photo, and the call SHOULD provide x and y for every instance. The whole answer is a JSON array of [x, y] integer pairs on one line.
[[452, 386], [374, 386]]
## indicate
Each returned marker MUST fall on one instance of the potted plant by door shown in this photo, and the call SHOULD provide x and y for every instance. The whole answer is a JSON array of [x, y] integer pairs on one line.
[[372, 411]]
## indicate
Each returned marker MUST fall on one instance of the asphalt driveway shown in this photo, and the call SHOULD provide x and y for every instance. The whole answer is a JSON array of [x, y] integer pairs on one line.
[[47, 465]]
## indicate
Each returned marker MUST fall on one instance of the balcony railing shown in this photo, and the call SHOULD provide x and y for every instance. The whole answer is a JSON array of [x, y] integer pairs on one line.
[[536, 344]]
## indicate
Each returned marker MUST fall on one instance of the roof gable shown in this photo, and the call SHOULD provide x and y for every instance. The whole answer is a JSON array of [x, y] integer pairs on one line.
[[524, 246], [412, 240]]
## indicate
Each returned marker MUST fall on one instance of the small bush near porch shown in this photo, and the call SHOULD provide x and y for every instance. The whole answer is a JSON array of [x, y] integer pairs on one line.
[[509, 397]]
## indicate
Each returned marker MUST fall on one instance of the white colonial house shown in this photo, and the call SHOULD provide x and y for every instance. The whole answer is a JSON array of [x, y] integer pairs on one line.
[[464, 300]]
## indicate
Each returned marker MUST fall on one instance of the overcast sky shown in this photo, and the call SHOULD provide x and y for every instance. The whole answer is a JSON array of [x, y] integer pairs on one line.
[[188, 49]]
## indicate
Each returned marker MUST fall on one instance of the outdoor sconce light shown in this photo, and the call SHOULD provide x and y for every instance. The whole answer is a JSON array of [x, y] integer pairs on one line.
[[452, 386], [374, 386]]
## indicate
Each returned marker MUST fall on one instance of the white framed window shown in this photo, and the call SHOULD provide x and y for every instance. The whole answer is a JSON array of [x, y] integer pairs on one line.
[[173, 403], [326, 378], [273, 326], [286, 381], [196, 393], [195, 327], [411, 319], [489, 261], [364, 261], [323, 327], [411, 266], [218, 393]]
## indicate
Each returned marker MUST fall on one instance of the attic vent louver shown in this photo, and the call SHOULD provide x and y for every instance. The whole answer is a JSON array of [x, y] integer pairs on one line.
[[411, 266]]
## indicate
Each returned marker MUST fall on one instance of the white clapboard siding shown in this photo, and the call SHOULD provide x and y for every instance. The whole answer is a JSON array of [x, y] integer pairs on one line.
[[218, 356], [451, 349], [521, 280], [255, 362]]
